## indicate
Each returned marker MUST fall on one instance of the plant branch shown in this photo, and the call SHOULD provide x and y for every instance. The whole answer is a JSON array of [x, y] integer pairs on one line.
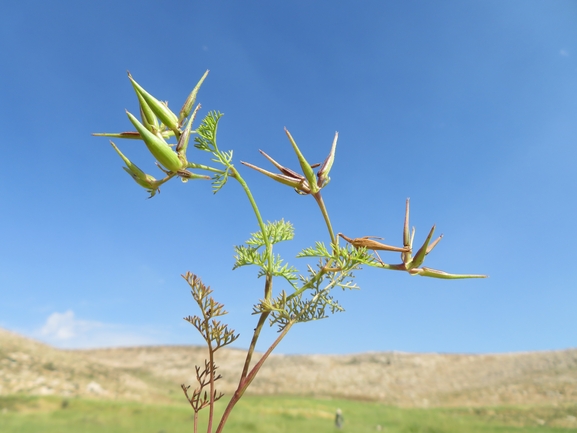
[[261, 321], [204, 167], [320, 202], [236, 175], [212, 393], [244, 384]]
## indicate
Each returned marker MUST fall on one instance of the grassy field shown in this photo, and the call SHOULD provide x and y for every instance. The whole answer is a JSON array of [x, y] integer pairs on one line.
[[272, 415]]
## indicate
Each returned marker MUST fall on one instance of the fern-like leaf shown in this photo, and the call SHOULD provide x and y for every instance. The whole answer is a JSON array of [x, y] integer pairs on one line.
[[319, 250], [206, 138], [276, 231], [248, 256]]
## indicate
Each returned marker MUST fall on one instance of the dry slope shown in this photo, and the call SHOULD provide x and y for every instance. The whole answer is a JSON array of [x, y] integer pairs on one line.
[[155, 373]]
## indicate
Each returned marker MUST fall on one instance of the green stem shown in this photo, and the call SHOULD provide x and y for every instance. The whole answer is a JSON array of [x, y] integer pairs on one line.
[[310, 282], [243, 385], [256, 334], [268, 283], [324, 270], [236, 175], [204, 167], [323, 208], [246, 377]]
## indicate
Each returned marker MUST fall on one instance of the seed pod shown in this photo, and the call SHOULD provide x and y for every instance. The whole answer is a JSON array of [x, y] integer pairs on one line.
[[299, 184], [166, 116], [370, 244], [423, 251], [435, 273], [323, 173], [158, 147], [146, 181], [307, 169], [185, 110], [132, 135], [182, 145], [149, 119]]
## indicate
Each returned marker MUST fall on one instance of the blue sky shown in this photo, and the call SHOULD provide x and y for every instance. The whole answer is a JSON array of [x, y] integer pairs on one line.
[[467, 107]]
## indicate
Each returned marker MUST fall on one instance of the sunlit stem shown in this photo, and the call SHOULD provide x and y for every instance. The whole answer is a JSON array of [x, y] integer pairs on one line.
[[204, 167], [250, 377], [261, 321], [323, 208], [236, 175], [268, 283], [311, 282]]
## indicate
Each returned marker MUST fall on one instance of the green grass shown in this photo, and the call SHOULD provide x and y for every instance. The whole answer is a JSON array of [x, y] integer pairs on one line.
[[21, 414]]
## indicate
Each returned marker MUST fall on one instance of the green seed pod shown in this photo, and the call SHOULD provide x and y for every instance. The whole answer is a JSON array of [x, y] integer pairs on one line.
[[435, 273], [148, 117], [184, 138], [420, 255], [187, 107], [166, 116], [158, 147], [323, 173], [307, 169], [146, 181], [149, 183]]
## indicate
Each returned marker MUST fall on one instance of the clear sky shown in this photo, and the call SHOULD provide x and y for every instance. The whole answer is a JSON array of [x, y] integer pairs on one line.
[[467, 107]]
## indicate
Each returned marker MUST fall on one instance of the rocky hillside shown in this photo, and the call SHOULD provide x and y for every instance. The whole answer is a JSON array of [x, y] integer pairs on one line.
[[405, 379]]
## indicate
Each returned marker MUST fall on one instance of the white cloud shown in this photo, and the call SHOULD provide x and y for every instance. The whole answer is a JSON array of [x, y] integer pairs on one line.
[[564, 53], [64, 326], [64, 330]]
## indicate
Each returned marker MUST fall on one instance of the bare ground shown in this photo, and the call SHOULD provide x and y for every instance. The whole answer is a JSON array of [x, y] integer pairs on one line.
[[404, 379]]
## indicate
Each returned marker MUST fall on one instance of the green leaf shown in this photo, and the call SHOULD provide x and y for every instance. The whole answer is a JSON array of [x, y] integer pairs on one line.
[[276, 231], [286, 271], [319, 250], [206, 139], [248, 256]]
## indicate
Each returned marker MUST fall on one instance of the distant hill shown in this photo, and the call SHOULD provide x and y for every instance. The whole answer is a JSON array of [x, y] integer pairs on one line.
[[404, 379]]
